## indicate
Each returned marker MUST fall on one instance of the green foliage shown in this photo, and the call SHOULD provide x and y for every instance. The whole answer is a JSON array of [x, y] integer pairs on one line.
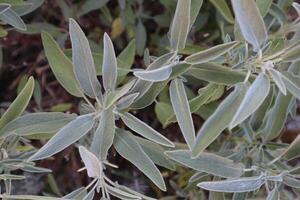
[[247, 88]]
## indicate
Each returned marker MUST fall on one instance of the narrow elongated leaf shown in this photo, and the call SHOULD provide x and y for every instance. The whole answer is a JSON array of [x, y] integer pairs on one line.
[[293, 151], [130, 149], [277, 78], [292, 83], [126, 101], [234, 185], [91, 5], [291, 55], [140, 37], [264, 6], [180, 25], [127, 55], [121, 194], [182, 111], [104, 135], [19, 104], [35, 123], [273, 194], [223, 8], [211, 53], [216, 74], [61, 65], [208, 162], [12, 18], [276, 117], [195, 9], [144, 130], [254, 97], [156, 75], [91, 162], [156, 153], [113, 96], [69, 134], [4, 7], [29, 197], [84, 67], [109, 67], [250, 22], [219, 120]]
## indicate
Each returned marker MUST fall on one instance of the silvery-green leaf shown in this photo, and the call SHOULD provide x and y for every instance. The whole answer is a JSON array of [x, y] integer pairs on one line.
[[273, 194], [66, 136], [156, 153], [156, 75], [104, 134], [130, 149], [276, 117], [279, 14], [61, 65], [76, 194], [264, 6], [140, 37], [91, 162], [116, 192], [234, 185], [90, 195], [215, 73], [143, 86], [291, 181], [11, 177], [144, 130], [277, 78], [211, 53], [126, 101], [250, 22], [293, 150], [28, 197], [35, 123], [254, 97], [182, 111], [12, 18], [4, 7], [18, 106], [223, 8], [180, 25], [35, 4], [208, 162], [91, 5], [195, 8], [84, 67], [128, 56], [292, 83], [219, 120], [109, 67], [113, 96]]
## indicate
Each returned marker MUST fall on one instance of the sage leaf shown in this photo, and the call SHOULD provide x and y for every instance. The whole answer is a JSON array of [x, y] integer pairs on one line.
[[273, 194], [250, 22], [195, 9], [29, 197], [255, 96], [126, 101], [291, 55], [84, 67], [208, 162], [144, 130], [277, 78], [156, 75], [276, 117], [223, 8], [104, 135], [35, 123], [264, 6], [156, 153], [182, 111], [10, 17], [121, 194], [219, 120], [127, 56], [109, 67], [91, 5], [113, 96], [180, 25], [130, 149], [18, 106], [291, 181], [234, 185], [91, 162], [215, 73], [66, 136], [4, 7], [293, 150], [140, 37], [292, 83], [211, 53], [61, 65]]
